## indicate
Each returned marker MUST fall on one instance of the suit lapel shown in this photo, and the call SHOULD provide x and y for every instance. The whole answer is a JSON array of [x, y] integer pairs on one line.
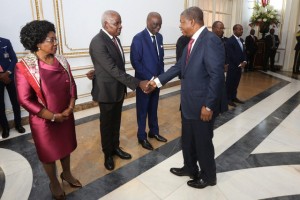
[[195, 47], [236, 43], [111, 45], [122, 52], [150, 43]]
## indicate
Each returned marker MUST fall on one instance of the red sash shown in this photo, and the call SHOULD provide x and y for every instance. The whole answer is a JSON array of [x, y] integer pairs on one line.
[[32, 80]]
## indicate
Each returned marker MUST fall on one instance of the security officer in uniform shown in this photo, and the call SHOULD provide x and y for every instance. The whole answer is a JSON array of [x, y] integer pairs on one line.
[[8, 60]]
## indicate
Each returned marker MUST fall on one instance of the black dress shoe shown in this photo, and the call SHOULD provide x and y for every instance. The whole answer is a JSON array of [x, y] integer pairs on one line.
[[231, 104], [158, 138], [236, 100], [201, 183], [5, 133], [122, 154], [182, 172], [109, 163], [20, 129], [146, 144]]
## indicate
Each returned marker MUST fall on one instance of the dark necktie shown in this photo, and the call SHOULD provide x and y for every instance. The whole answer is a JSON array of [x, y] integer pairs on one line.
[[154, 44], [118, 48], [116, 44], [189, 50]]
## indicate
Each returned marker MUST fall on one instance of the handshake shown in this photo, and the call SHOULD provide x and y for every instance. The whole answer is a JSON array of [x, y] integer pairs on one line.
[[147, 86]]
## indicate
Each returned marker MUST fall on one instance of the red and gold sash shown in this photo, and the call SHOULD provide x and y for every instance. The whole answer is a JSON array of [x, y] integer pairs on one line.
[[30, 69]]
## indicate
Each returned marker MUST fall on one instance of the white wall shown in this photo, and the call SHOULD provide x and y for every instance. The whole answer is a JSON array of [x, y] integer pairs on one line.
[[78, 21]]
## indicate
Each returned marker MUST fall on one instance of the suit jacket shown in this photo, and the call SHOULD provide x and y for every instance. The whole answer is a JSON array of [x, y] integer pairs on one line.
[[7, 63], [235, 55], [202, 77], [109, 84], [143, 55], [251, 46], [297, 47], [269, 42], [224, 40]]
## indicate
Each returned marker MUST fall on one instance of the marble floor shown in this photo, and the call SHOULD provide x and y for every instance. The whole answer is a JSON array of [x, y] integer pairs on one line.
[[257, 146]]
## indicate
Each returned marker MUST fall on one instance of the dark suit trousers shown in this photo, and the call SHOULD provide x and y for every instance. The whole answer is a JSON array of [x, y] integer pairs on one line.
[[250, 57], [146, 104], [296, 66], [110, 121], [11, 89], [232, 82], [270, 54], [197, 145]]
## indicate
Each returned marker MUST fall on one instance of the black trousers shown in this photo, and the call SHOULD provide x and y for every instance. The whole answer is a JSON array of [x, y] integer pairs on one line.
[[250, 57], [296, 66], [270, 55], [197, 147], [110, 121], [232, 82], [11, 89]]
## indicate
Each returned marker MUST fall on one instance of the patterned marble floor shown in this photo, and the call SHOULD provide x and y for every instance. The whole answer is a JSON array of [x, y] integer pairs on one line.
[[256, 144]]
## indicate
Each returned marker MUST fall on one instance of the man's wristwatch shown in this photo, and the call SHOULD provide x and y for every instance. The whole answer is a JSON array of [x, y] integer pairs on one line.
[[8, 71]]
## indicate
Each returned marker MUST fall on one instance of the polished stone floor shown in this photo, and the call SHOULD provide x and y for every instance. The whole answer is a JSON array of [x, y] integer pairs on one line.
[[256, 144]]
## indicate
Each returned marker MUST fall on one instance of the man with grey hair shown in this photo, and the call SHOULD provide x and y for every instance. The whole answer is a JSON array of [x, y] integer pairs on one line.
[[109, 84], [147, 58], [201, 68]]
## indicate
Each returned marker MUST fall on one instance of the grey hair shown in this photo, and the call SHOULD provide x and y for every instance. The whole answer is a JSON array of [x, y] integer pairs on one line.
[[107, 16], [194, 13]]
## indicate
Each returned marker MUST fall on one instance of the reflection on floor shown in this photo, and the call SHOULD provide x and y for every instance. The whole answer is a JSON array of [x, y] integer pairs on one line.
[[257, 151]]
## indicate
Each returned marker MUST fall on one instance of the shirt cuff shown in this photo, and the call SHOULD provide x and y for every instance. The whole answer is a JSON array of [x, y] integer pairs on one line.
[[208, 109], [157, 82]]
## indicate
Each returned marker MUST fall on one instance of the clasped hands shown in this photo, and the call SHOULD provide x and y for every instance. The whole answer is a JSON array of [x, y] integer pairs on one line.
[[60, 117], [147, 86], [4, 77]]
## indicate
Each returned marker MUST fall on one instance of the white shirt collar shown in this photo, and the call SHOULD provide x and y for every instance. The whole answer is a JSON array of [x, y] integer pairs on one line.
[[238, 38], [111, 37], [150, 33], [196, 35]]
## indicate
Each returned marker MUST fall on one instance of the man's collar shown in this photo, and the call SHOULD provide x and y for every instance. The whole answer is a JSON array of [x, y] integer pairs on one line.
[[236, 37], [111, 37], [150, 32], [198, 32]]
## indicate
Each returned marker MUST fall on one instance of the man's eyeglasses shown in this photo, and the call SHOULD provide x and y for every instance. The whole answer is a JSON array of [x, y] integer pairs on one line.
[[52, 40]]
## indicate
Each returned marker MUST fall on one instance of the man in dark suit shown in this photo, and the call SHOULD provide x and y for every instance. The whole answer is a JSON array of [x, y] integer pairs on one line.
[[8, 60], [236, 59], [218, 29], [272, 43], [109, 84], [180, 45], [147, 58], [251, 48], [296, 66], [202, 77]]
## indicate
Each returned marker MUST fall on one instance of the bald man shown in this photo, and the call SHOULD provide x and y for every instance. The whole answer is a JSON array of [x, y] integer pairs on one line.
[[147, 58]]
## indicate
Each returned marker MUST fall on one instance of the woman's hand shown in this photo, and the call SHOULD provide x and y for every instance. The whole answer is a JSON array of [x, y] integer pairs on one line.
[[59, 117], [67, 112]]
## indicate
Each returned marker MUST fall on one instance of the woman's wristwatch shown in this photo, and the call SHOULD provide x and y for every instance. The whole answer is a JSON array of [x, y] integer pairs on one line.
[[53, 118]]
